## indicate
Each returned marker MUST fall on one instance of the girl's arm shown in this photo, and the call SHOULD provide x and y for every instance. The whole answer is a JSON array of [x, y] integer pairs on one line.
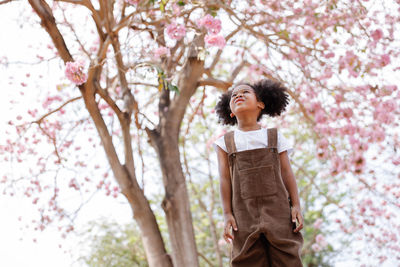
[[226, 193], [291, 187]]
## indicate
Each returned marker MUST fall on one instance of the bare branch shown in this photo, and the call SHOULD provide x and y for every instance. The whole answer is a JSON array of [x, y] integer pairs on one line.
[[75, 34], [55, 110]]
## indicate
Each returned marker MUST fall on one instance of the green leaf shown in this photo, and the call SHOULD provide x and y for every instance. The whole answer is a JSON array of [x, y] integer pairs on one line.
[[173, 88], [181, 3]]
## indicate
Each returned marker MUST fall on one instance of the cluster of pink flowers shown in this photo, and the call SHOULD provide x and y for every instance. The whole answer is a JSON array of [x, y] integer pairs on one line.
[[384, 111], [211, 24], [74, 72], [349, 62], [176, 31], [320, 243], [384, 60], [377, 35], [215, 40], [213, 27], [318, 222], [160, 52]]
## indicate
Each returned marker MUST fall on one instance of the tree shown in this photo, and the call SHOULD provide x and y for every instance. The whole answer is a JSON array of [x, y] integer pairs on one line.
[[334, 56]]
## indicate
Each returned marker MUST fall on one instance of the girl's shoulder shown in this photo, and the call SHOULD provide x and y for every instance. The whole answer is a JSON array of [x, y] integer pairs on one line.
[[220, 141]]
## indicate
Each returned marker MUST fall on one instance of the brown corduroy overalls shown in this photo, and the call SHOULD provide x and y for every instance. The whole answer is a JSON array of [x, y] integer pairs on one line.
[[261, 208]]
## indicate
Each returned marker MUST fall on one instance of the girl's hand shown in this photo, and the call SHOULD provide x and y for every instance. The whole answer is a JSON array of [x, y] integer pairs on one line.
[[230, 223], [296, 214]]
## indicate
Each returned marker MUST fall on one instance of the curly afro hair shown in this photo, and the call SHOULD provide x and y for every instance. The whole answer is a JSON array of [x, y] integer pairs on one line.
[[272, 94]]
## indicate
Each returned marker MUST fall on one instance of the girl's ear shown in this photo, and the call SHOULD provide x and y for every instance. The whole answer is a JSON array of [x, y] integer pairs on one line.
[[232, 115], [261, 105]]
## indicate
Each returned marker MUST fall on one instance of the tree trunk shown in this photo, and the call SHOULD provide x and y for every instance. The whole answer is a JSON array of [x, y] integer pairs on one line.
[[142, 213], [164, 139], [176, 203]]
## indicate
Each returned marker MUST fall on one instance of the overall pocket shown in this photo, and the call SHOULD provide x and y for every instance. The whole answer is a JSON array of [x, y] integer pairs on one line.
[[257, 182]]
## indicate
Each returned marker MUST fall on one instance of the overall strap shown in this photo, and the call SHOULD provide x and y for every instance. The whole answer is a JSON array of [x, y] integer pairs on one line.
[[230, 142], [272, 137]]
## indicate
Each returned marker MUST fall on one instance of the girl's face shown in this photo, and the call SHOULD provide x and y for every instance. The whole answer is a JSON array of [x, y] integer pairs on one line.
[[244, 98]]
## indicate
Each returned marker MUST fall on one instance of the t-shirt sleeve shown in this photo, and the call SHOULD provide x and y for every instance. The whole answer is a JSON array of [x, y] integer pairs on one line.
[[221, 143], [284, 144]]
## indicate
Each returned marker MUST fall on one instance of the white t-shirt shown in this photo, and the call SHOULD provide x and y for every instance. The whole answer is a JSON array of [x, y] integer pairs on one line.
[[246, 140]]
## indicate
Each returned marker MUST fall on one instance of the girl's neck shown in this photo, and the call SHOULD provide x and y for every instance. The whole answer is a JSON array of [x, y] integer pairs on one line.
[[248, 126]]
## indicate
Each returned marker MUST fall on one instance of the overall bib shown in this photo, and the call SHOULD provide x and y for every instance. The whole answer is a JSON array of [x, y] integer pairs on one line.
[[261, 208]]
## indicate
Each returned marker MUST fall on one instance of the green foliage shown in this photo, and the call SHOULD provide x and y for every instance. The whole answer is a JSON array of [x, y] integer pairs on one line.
[[112, 244]]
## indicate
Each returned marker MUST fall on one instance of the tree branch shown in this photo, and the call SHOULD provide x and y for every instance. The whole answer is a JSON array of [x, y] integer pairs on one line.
[[188, 82], [55, 110], [216, 83], [49, 23], [5, 2]]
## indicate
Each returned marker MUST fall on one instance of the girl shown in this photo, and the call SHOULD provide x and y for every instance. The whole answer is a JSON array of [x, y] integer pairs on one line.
[[258, 189]]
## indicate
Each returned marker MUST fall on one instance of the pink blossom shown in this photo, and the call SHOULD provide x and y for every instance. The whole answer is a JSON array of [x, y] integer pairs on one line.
[[389, 105], [316, 247], [347, 113], [350, 41], [351, 58], [321, 240], [339, 98], [74, 184], [160, 52], [385, 60], [176, 9], [384, 111], [320, 116], [74, 72], [309, 33], [317, 224], [298, 11], [212, 25], [215, 40], [359, 162], [292, 54], [328, 73], [396, 161], [323, 143], [338, 165], [388, 90], [348, 129], [176, 31], [377, 34]]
